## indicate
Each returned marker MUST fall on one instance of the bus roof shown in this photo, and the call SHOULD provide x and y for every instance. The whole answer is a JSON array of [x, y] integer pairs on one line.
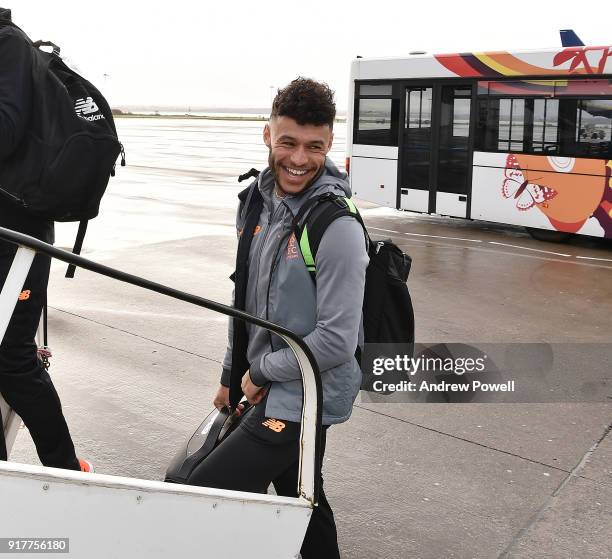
[[582, 61]]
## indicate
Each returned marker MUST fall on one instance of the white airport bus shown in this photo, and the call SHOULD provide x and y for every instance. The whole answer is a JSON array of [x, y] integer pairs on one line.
[[520, 138]]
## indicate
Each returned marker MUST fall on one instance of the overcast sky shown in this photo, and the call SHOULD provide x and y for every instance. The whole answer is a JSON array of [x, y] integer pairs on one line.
[[229, 53]]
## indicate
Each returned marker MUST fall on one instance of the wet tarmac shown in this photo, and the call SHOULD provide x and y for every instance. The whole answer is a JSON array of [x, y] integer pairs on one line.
[[137, 372]]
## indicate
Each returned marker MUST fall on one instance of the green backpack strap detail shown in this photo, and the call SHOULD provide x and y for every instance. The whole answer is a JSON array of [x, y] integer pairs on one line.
[[305, 250], [351, 206], [314, 218]]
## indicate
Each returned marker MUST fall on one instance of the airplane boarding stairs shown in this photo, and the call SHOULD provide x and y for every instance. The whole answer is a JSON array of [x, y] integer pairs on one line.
[[103, 517]]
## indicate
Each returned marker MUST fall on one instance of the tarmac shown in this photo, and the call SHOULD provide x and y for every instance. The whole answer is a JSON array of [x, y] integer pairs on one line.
[[137, 373]]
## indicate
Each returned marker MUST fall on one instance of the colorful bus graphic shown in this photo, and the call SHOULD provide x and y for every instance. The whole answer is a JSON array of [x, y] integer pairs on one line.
[[517, 138]]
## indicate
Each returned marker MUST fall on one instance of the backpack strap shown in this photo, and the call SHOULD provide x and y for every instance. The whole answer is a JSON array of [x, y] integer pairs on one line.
[[78, 246], [313, 219], [252, 203]]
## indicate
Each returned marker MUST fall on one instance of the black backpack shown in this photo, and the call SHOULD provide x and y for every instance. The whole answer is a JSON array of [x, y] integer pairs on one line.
[[388, 316], [62, 166]]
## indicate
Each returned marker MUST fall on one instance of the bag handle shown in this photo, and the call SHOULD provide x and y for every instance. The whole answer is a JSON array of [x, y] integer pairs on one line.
[[56, 49]]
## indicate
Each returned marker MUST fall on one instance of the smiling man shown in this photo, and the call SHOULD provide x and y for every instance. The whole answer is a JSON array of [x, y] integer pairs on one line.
[[297, 152], [273, 282]]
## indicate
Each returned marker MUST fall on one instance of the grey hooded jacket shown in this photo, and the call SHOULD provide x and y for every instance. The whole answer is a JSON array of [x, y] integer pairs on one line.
[[281, 290]]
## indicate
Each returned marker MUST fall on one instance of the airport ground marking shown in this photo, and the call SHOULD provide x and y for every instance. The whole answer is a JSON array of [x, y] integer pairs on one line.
[[424, 235], [532, 249], [592, 258], [565, 257]]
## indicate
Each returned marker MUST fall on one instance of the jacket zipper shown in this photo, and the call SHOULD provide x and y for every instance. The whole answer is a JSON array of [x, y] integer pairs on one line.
[[274, 261], [261, 247]]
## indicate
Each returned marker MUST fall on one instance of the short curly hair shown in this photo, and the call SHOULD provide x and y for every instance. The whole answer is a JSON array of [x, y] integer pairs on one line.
[[307, 102]]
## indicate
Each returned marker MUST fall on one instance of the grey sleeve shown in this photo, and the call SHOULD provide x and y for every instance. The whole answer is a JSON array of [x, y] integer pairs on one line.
[[341, 264]]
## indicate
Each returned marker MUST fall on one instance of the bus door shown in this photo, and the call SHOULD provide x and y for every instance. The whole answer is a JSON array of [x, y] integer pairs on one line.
[[435, 149], [416, 148], [453, 161]]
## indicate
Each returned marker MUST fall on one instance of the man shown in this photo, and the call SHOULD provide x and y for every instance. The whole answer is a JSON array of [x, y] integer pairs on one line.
[[264, 449], [24, 382]]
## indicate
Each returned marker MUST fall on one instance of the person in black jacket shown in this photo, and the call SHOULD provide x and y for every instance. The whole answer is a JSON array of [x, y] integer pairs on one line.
[[24, 381]]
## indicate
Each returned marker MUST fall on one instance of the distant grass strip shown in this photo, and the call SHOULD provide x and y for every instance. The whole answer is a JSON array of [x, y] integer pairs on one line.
[[258, 118], [195, 117]]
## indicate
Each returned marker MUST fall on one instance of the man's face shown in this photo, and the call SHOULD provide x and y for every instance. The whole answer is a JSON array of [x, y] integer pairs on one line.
[[297, 152]]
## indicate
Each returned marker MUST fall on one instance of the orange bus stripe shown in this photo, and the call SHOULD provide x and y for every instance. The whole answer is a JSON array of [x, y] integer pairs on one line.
[[457, 65], [510, 65]]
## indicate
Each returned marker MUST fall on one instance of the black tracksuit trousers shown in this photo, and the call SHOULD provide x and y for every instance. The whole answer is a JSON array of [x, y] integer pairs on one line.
[[24, 382], [263, 451]]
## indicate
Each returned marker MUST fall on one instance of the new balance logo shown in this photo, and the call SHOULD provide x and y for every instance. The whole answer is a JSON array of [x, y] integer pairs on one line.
[[24, 295], [274, 424], [87, 106]]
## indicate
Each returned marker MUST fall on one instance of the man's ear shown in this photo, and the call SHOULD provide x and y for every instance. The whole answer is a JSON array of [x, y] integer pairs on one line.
[[266, 136], [331, 141]]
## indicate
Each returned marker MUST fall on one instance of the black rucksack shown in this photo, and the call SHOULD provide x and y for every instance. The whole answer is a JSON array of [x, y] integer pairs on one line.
[[62, 166], [388, 316]]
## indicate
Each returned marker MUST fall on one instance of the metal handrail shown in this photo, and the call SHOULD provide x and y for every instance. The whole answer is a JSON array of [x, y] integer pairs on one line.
[[310, 436]]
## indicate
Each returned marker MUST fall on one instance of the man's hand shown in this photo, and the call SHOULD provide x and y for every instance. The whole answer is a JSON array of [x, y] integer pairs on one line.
[[254, 394], [222, 397]]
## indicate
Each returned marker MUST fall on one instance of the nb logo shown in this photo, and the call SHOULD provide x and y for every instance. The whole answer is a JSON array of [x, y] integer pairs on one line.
[[274, 424], [24, 295], [87, 106]]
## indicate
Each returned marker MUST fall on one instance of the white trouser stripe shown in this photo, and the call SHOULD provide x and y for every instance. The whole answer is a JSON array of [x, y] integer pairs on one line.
[[13, 286]]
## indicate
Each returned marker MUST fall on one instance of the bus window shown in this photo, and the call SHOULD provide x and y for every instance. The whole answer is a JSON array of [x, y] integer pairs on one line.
[[487, 122], [545, 126], [511, 128], [376, 115], [418, 108], [501, 125], [594, 127], [585, 128], [461, 110], [378, 90]]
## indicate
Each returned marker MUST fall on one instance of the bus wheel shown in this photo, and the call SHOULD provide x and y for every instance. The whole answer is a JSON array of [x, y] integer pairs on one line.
[[549, 236]]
